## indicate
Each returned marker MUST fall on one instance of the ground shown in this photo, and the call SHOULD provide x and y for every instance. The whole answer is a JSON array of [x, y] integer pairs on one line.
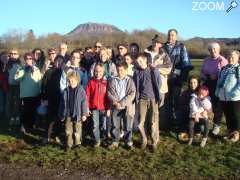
[[26, 158]]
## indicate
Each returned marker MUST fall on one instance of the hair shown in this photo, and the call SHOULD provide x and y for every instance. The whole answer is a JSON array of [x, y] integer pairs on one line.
[[73, 75], [203, 89], [135, 44], [234, 51], [194, 77], [122, 44], [42, 55], [142, 55], [27, 54], [174, 30], [79, 51], [213, 45], [122, 64], [51, 49], [63, 44], [113, 53], [4, 53]]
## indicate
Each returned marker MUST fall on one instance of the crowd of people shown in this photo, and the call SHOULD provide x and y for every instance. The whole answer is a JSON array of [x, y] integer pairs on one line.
[[120, 93]]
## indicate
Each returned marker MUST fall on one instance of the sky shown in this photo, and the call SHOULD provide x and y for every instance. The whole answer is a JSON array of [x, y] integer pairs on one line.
[[203, 18]]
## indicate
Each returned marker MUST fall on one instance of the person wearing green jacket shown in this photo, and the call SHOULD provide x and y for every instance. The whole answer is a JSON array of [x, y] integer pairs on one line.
[[29, 77]]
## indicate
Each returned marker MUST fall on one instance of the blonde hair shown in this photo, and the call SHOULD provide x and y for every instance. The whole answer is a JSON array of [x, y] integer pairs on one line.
[[73, 75]]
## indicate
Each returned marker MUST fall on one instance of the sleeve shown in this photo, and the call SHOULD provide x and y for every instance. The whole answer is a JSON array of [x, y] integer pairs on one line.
[[111, 91], [236, 89], [63, 81], [130, 96], [84, 107], [88, 92]]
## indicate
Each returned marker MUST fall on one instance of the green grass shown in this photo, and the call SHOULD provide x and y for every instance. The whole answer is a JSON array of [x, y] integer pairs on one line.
[[172, 160]]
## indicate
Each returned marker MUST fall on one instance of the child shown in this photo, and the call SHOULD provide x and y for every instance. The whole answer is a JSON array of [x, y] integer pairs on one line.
[[148, 84], [98, 103], [200, 107], [73, 109], [121, 92], [129, 61], [29, 77]]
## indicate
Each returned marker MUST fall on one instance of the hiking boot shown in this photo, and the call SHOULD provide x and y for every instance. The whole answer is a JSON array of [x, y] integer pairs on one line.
[[113, 146], [154, 147], [216, 130], [23, 130], [143, 145], [97, 144], [234, 137], [190, 141], [203, 143], [57, 140]]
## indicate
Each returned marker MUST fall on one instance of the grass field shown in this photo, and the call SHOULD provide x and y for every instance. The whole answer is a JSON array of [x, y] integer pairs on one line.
[[172, 160]]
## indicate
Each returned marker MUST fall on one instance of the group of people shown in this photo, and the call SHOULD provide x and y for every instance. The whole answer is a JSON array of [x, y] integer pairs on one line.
[[120, 93]]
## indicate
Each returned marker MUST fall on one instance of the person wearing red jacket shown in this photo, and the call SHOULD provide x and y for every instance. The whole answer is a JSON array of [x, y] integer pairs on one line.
[[98, 103], [3, 89]]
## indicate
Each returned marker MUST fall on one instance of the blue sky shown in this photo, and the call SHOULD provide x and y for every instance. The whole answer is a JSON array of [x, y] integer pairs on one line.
[[46, 16]]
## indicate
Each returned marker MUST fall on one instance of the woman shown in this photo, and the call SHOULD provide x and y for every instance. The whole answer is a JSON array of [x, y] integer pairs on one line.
[[109, 67], [39, 57], [29, 77], [209, 74], [228, 92]]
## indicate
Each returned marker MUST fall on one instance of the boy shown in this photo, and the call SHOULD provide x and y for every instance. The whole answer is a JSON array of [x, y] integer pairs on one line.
[[98, 102], [121, 92], [148, 83], [73, 109]]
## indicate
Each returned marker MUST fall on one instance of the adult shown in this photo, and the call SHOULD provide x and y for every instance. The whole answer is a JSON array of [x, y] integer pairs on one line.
[[38, 57], [181, 66], [228, 92], [63, 48], [211, 67], [122, 50]]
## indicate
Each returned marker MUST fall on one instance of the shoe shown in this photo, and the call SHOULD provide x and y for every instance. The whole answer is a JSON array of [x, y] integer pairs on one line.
[[12, 121], [154, 146], [57, 140], [113, 146], [45, 141], [143, 145], [23, 130], [203, 143], [129, 145], [17, 121], [121, 134], [97, 144], [216, 130], [234, 137], [190, 141]]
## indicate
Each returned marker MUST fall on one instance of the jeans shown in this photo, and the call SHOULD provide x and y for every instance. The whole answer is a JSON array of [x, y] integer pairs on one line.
[[149, 107], [99, 124], [117, 116], [13, 101], [201, 121]]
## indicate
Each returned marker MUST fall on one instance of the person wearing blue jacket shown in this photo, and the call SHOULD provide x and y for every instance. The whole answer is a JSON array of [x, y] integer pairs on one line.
[[73, 109], [228, 92]]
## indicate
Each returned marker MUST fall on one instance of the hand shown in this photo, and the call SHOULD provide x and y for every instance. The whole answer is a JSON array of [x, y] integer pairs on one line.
[[204, 114], [118, 106], [108, 113], [213, 77], [89, 113], [62, 120], [84, 118]]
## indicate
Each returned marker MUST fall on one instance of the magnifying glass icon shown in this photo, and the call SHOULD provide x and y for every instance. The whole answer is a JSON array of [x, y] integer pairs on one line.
[[233, 4]]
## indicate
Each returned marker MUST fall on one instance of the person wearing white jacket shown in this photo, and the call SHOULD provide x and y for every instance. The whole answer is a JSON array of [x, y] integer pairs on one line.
[[200, 107]]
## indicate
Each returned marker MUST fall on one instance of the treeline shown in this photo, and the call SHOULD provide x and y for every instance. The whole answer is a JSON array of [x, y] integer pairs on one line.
[[26, 41]]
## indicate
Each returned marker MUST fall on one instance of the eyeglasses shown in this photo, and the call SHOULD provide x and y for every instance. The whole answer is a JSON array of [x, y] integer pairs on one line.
[[29, 58]]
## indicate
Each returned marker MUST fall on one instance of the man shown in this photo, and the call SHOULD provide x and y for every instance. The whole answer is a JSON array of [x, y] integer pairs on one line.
[[181, 66], [63, 51], [122, 51]]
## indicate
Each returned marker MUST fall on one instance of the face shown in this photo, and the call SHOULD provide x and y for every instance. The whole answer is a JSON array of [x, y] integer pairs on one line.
[[122, 50], [128, 59], [63, 49], [73, 82], [157, 45], [172, 37], [234, 58], [104, 55], [14, 54], [134, 50], [142, 62], [75, 59], [122, 72], [52, 55], [109, 52], [99, 72], [214, 52], [37, 54], [29, 61], [98, 47], [200, 95], [193, 84]]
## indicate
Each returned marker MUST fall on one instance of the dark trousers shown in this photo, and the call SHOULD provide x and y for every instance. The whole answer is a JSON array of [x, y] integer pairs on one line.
[[204, 122], [231, 110], [28, 111]]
